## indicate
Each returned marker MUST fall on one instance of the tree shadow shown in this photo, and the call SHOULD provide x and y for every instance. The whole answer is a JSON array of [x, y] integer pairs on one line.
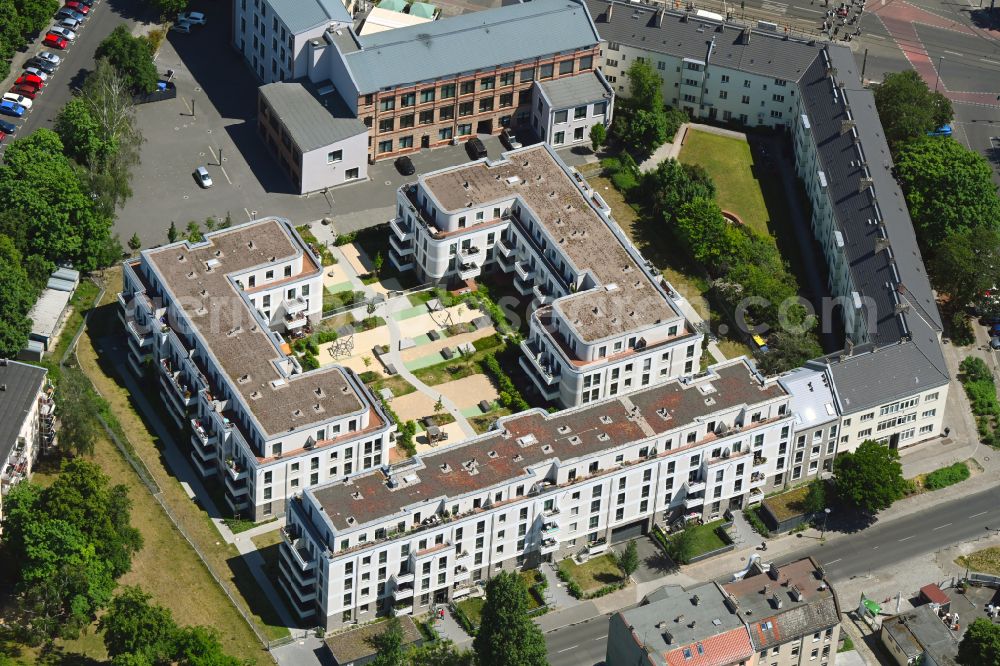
[[257, 601], [983, 18], [135, 10], [660, 563]]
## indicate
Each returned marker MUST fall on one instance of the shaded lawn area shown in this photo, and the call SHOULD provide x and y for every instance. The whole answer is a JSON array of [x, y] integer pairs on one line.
[[473, 609], [457, 368], [195, 600], [395, 383], [731, 165], [706, 538], [788, 505], [985, 561], [593, 574]]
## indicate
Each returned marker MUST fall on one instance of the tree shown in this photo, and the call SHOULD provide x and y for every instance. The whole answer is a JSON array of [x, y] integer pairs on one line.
[[815, 500], [33, 15], [628, 561], [76, 406], [193, 232], [172, 232], [81, 134], [965, 264], [681, 545], [981, 644], [389, 645], [673, 184], [908, 109], [378, 262], [132, 57], [133, 625], [17, 295], [644, 87], [787, 350], [44, 192], [171, 7], [200, 646], [439, 653], [870, 478], [134, 243], [439, 405], [507, 636], [947, 187], [598, 135], [643, 131]]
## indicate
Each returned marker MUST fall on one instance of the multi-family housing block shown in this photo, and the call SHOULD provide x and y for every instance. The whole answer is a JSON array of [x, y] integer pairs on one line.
[[537, 488], [605, 324], [890, 381], [337, 100], [26, 421], [772, 616], [211, 320]]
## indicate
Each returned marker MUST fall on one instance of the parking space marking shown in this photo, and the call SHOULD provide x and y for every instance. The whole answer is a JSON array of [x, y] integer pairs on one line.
[[219, 162]]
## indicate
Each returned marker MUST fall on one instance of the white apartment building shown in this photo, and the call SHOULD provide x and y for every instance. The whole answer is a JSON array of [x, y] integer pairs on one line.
[[539, 487], [210, 321], [567, 109], [880, 293], [26, 421], [605, 323]]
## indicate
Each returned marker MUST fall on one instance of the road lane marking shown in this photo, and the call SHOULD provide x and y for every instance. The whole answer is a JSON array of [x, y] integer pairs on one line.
[[907, 538], [955, 54], [601, 638], [992, 62], [981, 513], [875, 548], [833, 561], [221, 168], [940, 527], [572, 647]]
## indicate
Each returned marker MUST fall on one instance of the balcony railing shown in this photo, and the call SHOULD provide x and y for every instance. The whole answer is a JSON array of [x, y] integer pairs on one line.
[[526, 274], [550, 527], [542, 294], [549, 545], [467, 271], [299, 554], [402, 248], [502, 248], [293, 321], [695, 486], [400, 263], [469, 253], [692, 502], [296, 305], [400, 229], [202, 434], [403, 592]]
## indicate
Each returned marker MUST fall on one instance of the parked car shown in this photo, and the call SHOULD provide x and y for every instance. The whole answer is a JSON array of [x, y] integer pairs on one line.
[[475, 148], [67, 13], [9, 108], [49, 57], [18, 99], [89, 3], [184, 27], [995, 342], [201, 175], [55, 41], [194, 18], [65, 33], [43, 65], [3, 135], [34, 71], [6, 127], [508, 139], [29, 80], [69, 23], [26, 91], [404, 165], [78, 7]]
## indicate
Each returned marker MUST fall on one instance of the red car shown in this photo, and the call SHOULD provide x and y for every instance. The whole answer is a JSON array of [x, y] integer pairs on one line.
[[55, 41], [77, 6], [2, 136], [29, 80], [27, 91]]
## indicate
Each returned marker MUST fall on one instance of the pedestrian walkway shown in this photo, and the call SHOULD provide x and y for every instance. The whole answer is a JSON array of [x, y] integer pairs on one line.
[[671, 150], [556, 593], [448, 628]]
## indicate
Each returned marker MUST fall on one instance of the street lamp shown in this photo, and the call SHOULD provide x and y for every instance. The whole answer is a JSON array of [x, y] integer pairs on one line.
[[826, 514], [937, 76]]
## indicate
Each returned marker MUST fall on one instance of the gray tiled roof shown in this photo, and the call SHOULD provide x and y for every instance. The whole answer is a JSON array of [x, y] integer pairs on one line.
[[301, 15], [21, 382], [312, 120], [569, 91], [766, 54], [469, 42]]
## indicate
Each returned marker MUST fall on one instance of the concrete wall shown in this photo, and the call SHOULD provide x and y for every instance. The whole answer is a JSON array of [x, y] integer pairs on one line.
[[318, 172]]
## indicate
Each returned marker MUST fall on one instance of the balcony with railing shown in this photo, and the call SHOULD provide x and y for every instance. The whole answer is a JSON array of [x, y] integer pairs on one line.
[[541, 293], [691, 502], [550, 528], [400, 263], [176, 380], [470, 254], [462, 573], [759, 460], [402, 608], [15, 470], [403, 577], [402, 248], [400, 229], [468, 270], [757, 479], [550, 513], [295, 305], [297, 548], [541, 362], [549, 546], [695, 486], [201, 436], [295, 321], [525, 275], [502, 248], [403, 591]]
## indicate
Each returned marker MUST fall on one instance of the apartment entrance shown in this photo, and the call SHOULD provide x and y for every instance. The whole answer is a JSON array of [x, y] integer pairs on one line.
[[484, 127], [425, 141]]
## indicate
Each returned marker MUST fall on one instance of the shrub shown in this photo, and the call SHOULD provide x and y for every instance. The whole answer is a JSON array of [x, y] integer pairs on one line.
[[489, 342], [961, 330], [344, 239], [325, 336], [308, 362], [756, 523], [369, 376], [625, 181], [946, 476], [510, 397]]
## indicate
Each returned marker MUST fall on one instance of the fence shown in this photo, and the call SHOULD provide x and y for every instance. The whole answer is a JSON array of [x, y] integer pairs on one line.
[[126, 449]]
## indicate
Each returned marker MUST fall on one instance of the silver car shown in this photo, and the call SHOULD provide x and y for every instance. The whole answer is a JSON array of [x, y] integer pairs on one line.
[[71, 23], [65, 33], [201, 175]]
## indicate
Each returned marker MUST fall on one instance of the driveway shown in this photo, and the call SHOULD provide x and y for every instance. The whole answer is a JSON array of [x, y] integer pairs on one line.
[[213, 117], [653, 564]]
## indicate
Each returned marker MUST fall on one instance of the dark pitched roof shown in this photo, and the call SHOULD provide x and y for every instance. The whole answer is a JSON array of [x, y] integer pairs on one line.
[[21, 383]]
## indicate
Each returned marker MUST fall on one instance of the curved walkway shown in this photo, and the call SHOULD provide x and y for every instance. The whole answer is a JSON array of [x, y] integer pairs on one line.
[[673, 149]]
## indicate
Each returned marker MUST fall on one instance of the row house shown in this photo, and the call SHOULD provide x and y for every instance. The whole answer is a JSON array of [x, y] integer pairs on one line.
[[539, 487], [603, 322], [210, 321]]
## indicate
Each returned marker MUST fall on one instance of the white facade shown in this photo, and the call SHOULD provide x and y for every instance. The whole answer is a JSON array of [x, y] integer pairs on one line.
[[314, 442], [337, 164], [898, 423], [433, 549], [562, 124]]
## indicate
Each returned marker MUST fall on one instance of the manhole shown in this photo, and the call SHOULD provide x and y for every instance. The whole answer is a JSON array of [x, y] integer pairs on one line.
[[209, 131], [388, 182], [186, 196], [225, 159], [197, 89]]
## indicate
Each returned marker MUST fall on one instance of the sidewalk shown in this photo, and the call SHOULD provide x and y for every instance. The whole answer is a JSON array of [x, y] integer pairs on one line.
[[671, 150]]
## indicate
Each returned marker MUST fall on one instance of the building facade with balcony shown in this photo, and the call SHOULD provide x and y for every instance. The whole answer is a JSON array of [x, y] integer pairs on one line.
[[210, 320], [602, 321], [26, 421], [539, 487], [890, 381]]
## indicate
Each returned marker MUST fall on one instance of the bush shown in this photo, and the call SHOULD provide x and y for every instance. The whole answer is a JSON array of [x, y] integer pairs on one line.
[[756, 523], [344, 239], [510, 397], [489, 342], [308, 362], [946, 476], [369, 376], [324, 337], [961, 330], [977, 380], [625, 181]]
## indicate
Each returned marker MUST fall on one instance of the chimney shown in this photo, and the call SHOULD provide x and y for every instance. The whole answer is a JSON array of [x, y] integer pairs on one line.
[[864, 184], [881, 245], [776, 599], [607, 15]]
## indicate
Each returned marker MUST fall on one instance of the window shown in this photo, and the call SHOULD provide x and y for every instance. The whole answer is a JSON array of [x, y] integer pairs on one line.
[[352, 174], [426, 117], [448, 91], [485, 104], [580, 112], [464, 130], [405, 142], [506, 100], [723, 94], [507, 79], [566, 67], [745, 99], [559, 138], [465, 109], [409, 99], [388, 104], [468, 87], [385, 146], [334, 156], [446, 113], [561, 116], [406, 121], [527, 75], [578, 136], [488, 83], [444, 134], [545, 71], [427, 95], [386, 125]]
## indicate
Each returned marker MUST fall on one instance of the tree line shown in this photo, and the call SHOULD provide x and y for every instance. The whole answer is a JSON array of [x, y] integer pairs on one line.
[[951, 196], [61, 188], [21, 21]]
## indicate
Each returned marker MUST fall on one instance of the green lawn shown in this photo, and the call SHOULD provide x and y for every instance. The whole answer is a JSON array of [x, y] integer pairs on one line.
[[707, 538], [473, 608], [395, 383], [593, 574], [787, 505], [457, 368], [985, 561], [731, 166]]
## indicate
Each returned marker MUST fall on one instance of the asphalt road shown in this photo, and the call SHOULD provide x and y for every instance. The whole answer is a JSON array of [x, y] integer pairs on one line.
[[77, 62], [880, 547]]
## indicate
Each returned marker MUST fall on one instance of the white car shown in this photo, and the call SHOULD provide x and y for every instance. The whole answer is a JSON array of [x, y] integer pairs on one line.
[[71, 23], [194, 18], [37, 72], [51, 57], [201, 175], [17, 99], [183, 27], [66, 33]]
